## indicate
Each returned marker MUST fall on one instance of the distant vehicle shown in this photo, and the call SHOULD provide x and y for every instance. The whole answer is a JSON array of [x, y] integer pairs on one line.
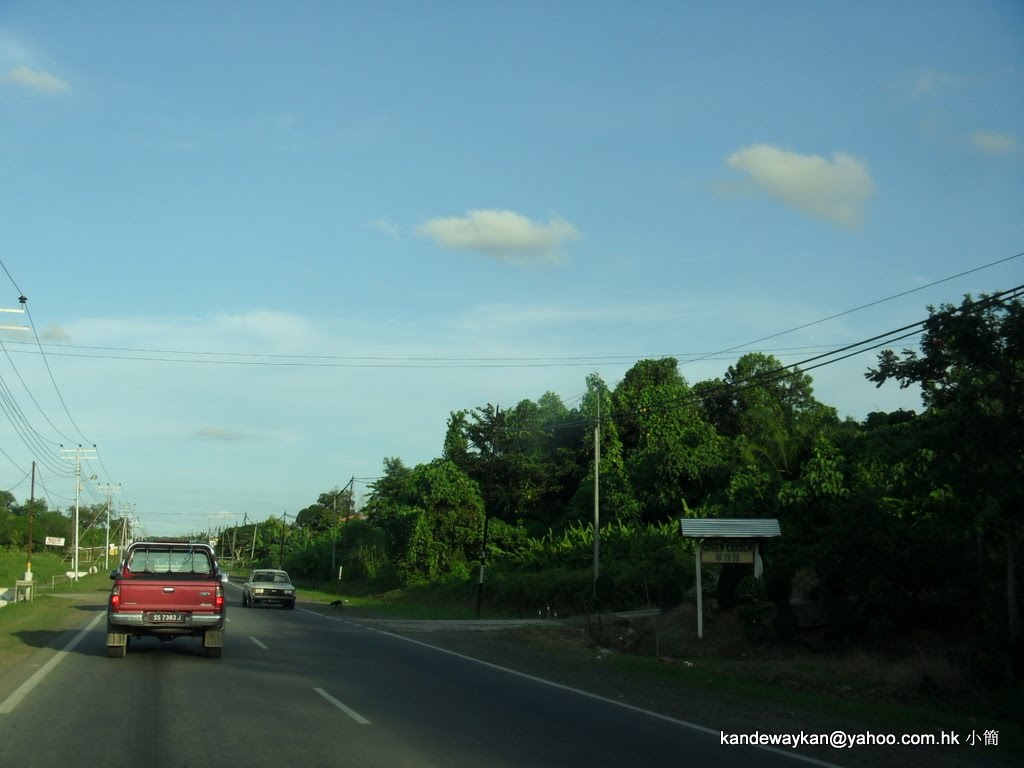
[[268, 585], [166, 589]]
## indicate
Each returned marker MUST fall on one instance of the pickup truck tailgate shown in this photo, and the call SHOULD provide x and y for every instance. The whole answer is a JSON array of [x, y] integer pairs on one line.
[[179, 596]]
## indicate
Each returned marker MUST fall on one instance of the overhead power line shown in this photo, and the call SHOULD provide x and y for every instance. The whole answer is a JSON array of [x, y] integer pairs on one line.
[[878, 341], [224, 358]]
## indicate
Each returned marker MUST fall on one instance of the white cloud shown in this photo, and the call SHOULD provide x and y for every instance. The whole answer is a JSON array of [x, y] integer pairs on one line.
[[995, 143], [504, 235], [34, 80], [54, 334], [833, 189]]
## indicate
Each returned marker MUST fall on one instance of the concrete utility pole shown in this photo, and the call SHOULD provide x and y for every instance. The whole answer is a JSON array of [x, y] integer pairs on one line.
[[21, 311], [111, 489], [490, 493], [284, 527], [15, 311], [126, 537], [77, 454], [597, 494], [31, 519]]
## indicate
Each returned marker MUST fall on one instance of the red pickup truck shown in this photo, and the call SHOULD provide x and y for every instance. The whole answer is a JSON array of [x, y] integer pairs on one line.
[[167, 590]]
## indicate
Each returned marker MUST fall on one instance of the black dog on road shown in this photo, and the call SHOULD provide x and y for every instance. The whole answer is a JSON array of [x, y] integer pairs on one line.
[[336, 604]]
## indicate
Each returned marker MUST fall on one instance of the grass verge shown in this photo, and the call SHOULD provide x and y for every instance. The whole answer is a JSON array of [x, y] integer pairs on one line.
[[40, 623]]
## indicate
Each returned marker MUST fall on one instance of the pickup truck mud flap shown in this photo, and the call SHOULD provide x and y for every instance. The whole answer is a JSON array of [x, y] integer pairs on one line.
[[213, 643], [117, 638], [117, 644], [213, 638]]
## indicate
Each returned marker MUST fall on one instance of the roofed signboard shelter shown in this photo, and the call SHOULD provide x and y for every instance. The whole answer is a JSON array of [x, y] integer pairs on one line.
[[723, 541]]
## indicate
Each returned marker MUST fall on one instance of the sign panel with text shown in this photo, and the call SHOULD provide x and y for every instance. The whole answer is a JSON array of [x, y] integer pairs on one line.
[[722, 551]]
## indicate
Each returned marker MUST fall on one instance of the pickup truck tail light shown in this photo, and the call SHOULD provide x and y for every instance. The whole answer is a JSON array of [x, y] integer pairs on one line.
[[115, 597], [219, 598]]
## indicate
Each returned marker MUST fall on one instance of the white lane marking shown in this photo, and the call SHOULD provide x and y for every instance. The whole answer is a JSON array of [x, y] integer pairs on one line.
[[261, 645], [347, 710], [329, 618], [8, 705], [597, 697], [560, 686]]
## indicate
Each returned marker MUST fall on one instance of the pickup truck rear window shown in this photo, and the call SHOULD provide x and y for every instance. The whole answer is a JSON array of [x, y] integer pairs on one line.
[[169, 561]]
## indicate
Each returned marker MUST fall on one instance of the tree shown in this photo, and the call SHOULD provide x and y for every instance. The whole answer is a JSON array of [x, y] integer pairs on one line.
[[339, 504], [672, 455], [315, 519], [8, 522], [616, 498], [768, 411], [430, 518], [522, 459], [456, 442], [970, 369]]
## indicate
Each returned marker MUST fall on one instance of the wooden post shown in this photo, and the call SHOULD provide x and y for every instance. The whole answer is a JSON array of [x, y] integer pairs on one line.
[[700, 597]]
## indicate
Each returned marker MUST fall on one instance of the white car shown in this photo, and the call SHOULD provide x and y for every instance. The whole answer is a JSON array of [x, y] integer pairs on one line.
[[268, 585]]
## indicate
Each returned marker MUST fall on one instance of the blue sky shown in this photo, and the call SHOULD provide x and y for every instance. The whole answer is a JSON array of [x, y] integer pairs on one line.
[[266, 245]]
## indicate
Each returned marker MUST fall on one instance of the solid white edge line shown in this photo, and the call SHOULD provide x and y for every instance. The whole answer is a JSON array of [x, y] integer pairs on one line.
[[261, 645], [25, 688], [605, 699], [347, 710]]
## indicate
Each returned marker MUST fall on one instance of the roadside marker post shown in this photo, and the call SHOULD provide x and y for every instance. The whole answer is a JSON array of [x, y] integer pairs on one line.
[[724, 541]]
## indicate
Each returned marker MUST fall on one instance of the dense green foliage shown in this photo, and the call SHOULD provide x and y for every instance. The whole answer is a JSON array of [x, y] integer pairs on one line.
[[17, 519]]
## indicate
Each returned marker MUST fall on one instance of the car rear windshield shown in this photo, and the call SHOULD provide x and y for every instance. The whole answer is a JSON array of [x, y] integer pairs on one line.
[[165, 560], [270, 576]]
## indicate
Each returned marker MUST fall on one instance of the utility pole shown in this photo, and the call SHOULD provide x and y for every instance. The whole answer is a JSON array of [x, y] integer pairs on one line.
[[6, 310], [111, 489], [31, 516], [284, 527], [20, 311], [78, 454], [490, 493], [597, 494], [255, 530], [126, 526], [350, 507]]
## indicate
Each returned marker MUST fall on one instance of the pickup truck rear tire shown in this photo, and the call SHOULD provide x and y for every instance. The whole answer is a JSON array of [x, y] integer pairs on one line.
[[117, 651], [214, 653]]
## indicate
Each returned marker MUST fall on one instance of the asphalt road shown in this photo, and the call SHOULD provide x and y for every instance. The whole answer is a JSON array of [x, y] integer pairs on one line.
[[299, 688]]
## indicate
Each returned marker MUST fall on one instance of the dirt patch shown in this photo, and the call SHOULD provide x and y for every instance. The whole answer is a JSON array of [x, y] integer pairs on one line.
[[657, 663]]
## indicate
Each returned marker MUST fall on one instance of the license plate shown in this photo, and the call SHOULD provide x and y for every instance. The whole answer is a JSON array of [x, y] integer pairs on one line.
[[162, 617]]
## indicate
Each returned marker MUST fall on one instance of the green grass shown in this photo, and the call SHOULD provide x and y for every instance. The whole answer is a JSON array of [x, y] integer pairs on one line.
[[42, 622], [824, 687], [455, 600], [45, 566]]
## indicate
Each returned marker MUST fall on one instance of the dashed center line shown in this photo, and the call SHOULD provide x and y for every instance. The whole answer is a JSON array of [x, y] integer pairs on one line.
[[347, 710], [258, 643]]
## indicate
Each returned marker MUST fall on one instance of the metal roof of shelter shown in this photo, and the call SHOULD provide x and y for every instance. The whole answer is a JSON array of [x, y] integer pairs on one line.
[[738, 528]]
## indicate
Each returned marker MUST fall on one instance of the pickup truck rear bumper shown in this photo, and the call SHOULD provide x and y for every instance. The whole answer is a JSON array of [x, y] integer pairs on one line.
[[195, 621]]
